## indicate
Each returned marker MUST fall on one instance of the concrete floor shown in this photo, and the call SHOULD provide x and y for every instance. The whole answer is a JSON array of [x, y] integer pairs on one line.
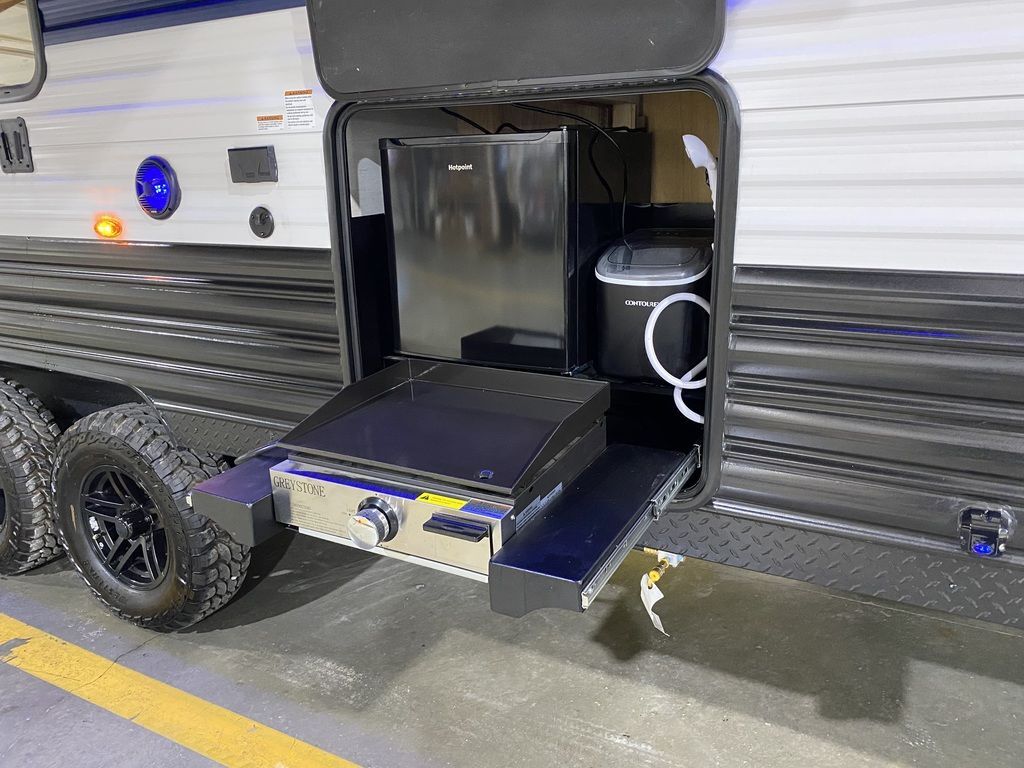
[[391, 665]]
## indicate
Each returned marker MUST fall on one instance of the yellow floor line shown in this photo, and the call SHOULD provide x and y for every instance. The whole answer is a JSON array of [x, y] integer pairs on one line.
[[205, 728]]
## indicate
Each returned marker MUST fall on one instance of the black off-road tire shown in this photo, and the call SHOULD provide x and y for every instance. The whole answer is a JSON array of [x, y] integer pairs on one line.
[[28, 436], [205, 566]]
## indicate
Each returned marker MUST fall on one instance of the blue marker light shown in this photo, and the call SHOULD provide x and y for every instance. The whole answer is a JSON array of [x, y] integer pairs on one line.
[[156, 188]]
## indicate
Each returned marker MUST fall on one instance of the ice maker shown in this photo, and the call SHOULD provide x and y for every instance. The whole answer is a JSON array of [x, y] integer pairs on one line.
[[632, 277]]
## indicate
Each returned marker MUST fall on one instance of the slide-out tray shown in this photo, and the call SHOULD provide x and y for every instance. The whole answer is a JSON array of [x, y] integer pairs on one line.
[[566, 556], [464, 425]]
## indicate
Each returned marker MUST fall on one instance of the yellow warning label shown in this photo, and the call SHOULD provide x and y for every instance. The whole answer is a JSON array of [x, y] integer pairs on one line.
[[266, 123], [442, 501]]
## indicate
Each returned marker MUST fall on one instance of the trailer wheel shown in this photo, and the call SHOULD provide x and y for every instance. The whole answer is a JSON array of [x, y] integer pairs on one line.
[[121, 490], [28, 435]]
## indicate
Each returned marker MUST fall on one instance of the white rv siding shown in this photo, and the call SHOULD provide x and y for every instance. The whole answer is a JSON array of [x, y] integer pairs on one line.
[[875, 133], [879, 133], [187, 93]]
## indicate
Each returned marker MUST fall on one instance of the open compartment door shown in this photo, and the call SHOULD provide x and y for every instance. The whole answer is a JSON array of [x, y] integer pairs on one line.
[[371, 51]]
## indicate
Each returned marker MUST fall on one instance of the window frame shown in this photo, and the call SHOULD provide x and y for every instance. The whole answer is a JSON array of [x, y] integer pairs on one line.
[[29, 90]]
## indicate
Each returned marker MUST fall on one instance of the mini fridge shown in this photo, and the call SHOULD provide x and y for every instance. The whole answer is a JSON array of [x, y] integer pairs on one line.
[[492, 240]]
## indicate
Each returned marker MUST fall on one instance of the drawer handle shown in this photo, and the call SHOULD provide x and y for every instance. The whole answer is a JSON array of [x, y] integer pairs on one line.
[[456, 528]]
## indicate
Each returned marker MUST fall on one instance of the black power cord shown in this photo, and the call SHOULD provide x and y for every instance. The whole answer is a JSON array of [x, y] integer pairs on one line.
[[466, 120], [608, 136], [597, 170], [516, 129], [590, 149]]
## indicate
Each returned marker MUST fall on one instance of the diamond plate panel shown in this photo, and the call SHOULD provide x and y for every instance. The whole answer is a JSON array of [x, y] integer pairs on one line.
[[978, 589], [218, 436]]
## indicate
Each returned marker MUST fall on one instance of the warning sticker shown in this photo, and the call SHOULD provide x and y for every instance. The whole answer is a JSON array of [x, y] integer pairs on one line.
[[298, 110], [442, 501], [265, 123]]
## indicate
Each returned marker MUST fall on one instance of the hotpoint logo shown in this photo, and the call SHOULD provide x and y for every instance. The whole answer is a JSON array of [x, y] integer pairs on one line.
[[460, 167], [638, 303]]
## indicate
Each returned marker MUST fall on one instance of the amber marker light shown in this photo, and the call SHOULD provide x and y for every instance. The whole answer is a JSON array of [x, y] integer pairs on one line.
[[107, 226]]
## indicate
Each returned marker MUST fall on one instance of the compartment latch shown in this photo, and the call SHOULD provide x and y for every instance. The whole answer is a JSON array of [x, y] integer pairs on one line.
[[984, 532], [15, 151]]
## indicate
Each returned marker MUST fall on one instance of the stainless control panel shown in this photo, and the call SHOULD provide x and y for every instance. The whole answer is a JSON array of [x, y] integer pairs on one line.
[[390, 518]]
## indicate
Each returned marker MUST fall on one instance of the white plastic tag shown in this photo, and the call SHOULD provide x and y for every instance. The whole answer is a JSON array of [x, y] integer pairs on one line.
[[649, 595]]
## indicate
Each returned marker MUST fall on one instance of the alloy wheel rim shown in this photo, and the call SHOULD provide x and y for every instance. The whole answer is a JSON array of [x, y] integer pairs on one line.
[[125, 528]]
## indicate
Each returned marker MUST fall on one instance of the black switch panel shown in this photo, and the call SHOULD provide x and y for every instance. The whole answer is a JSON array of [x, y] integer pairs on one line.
[[252, 165], [15, 151]]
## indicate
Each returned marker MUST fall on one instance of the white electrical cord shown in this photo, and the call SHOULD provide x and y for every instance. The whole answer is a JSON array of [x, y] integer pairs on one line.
[[701, 157]]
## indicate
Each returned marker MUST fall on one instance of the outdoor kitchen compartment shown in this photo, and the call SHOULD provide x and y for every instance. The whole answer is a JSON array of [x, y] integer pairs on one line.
[[506, 476]]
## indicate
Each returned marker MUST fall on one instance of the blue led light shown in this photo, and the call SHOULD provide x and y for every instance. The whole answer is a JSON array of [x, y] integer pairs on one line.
[[983, 548], [156, 187]]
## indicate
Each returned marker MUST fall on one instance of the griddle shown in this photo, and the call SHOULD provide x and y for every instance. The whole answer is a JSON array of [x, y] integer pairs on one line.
[[483, 428]]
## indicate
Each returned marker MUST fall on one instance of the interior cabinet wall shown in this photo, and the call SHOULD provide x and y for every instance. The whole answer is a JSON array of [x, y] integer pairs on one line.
[[669, 116]]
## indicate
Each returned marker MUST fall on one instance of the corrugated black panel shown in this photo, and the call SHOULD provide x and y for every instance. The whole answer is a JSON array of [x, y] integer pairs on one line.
[[893, 399], [868, 407], [242, 335]]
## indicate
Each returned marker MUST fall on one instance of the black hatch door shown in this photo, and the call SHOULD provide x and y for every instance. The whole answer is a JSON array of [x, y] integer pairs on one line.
[[407, 48]]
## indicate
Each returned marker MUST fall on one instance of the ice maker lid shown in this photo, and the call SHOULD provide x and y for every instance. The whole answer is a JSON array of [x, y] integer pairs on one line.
[[489, 46], [656, 257]]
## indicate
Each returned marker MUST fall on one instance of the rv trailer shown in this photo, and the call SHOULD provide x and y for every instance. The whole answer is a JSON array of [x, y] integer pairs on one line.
[[513, 294]]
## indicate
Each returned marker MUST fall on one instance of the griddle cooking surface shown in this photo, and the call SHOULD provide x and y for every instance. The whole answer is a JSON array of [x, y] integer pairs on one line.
[[446, 431]]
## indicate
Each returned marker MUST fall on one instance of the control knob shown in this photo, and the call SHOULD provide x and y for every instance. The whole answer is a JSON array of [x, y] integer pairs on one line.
[[374, 522]]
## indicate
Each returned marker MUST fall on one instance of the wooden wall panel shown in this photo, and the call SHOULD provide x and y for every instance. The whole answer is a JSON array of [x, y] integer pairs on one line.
[[669, 116]]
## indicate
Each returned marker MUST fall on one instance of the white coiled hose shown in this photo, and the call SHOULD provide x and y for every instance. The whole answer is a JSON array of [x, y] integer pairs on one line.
[[701, 157], [687, 380]]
